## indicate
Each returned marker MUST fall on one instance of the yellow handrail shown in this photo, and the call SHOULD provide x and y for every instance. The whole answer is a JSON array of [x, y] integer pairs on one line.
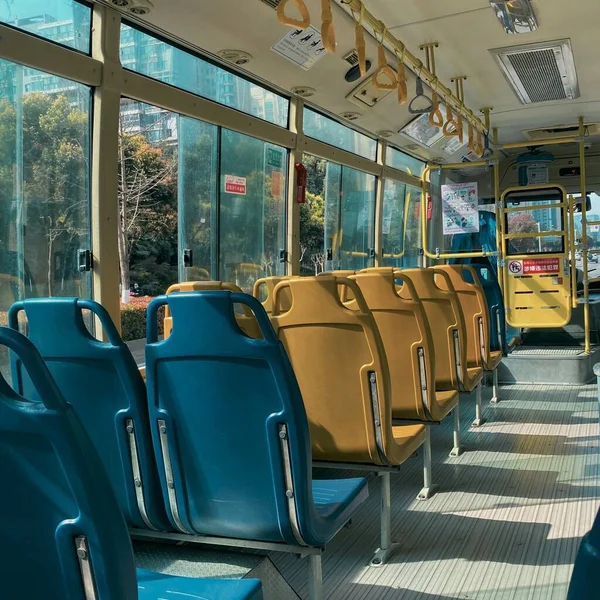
[[414, 63]]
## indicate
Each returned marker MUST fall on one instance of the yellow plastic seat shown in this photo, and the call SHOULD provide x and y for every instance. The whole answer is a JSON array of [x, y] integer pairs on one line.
[[447, 321], [246, 321], [408, 344], [341, 367], [342, 370], [263, 291]]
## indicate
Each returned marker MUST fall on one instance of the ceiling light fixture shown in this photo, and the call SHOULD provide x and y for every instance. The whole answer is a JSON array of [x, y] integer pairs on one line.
[[235, 57], [303, 91], [515, 16]]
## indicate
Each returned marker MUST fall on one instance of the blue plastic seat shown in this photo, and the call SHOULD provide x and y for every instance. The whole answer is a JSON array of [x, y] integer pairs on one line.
[[585, 582], [62, 534], [103, 384], [502, 335], [230, 430]]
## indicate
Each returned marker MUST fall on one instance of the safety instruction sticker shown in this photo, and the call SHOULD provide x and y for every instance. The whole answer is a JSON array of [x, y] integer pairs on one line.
[[530, 266], [277, 184], [460, 207], [235, 185], [303, 47]]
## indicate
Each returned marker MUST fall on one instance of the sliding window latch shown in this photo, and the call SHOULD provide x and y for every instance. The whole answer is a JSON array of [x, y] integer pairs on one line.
[[84, 260], [329, 254], [284, 256]]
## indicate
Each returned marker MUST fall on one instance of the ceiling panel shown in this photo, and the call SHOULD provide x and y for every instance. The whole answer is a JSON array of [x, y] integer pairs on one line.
[[465, 29]]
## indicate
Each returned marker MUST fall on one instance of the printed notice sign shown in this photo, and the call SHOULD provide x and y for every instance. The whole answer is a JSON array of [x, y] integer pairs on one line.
[[303, 47], [541, 265], [534, 266], [460, 208], [235, 185]]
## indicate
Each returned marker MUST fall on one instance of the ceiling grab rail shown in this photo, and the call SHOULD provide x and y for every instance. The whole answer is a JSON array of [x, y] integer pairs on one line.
[[327, 29], [289, 21], [383, 69], [361, 45], [414, 64]]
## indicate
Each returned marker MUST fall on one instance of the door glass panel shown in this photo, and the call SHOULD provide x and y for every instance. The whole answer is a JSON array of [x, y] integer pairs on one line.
[[252, 209], [44, 188], [357, 235], [312, 218], [198, 146], [395, 207], [349, 218]]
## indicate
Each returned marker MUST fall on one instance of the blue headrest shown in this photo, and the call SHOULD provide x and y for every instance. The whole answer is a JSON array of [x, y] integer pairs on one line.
[[55, 497], [103, 384]]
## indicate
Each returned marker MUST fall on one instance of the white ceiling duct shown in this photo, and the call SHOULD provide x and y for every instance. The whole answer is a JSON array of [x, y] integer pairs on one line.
[[541, 72]]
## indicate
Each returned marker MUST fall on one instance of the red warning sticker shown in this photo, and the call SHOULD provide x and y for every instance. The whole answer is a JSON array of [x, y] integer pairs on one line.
[[541, 265]]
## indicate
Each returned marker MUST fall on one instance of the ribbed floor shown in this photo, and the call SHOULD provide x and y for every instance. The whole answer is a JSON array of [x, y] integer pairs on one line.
[[508, 518]]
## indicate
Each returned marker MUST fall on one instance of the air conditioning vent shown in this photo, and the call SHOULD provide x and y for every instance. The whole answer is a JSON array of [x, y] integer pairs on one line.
[[559, 131], [351, 58], [272, 3], [542, 72]]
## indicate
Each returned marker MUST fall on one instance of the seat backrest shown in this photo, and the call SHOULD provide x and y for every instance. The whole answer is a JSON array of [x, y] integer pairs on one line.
[[495, 305], [229, 427], [61, 524], [446, 323], [246, 320], [338, 358], [263, 290], [102, 383], [474, 306], [407, 341]]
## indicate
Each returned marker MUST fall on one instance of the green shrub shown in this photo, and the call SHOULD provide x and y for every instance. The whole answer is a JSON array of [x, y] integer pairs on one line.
[[133, 319]]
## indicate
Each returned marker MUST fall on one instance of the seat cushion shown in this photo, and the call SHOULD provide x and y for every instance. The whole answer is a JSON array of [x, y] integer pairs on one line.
[[494, 360], [445, 401], [156, 586], [335, 498], [474, 376], [408, 438]]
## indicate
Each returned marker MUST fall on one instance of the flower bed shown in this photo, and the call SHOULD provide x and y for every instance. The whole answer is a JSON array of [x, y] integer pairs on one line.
[[133, 318]]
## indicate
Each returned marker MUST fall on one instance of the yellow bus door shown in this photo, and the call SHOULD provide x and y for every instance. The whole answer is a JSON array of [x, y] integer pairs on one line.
[[537, 251]]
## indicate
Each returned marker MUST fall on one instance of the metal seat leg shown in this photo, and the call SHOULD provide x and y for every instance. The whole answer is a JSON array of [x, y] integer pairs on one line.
[[315, 577], [495, 389], [387, 548], [479, 420], [429, 488], [457, 450]]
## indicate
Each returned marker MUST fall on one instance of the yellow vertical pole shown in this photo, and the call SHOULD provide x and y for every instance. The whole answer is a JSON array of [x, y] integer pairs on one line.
[[584, 235], [425, 178], [571, 205], [499, 215], [293, 208], [379, 198]]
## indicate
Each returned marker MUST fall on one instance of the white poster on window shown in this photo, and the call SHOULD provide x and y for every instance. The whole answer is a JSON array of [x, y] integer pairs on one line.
[[460, 205]]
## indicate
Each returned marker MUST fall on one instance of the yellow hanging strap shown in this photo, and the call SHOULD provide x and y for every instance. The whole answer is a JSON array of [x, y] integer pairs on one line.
[[361, 46], [478, 149], [285, 20], [451, 125], [436, 118], [460, 94], [327, 30], [402, 87], [383, 69], [471, 137]]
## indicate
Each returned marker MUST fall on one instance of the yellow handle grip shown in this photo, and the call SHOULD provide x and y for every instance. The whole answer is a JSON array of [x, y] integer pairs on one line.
[[471, 138], [327, 30], [451, 125], [479, 145], [436, 119], [383, 69], [402, 87], [285, 20], [361, 49]]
